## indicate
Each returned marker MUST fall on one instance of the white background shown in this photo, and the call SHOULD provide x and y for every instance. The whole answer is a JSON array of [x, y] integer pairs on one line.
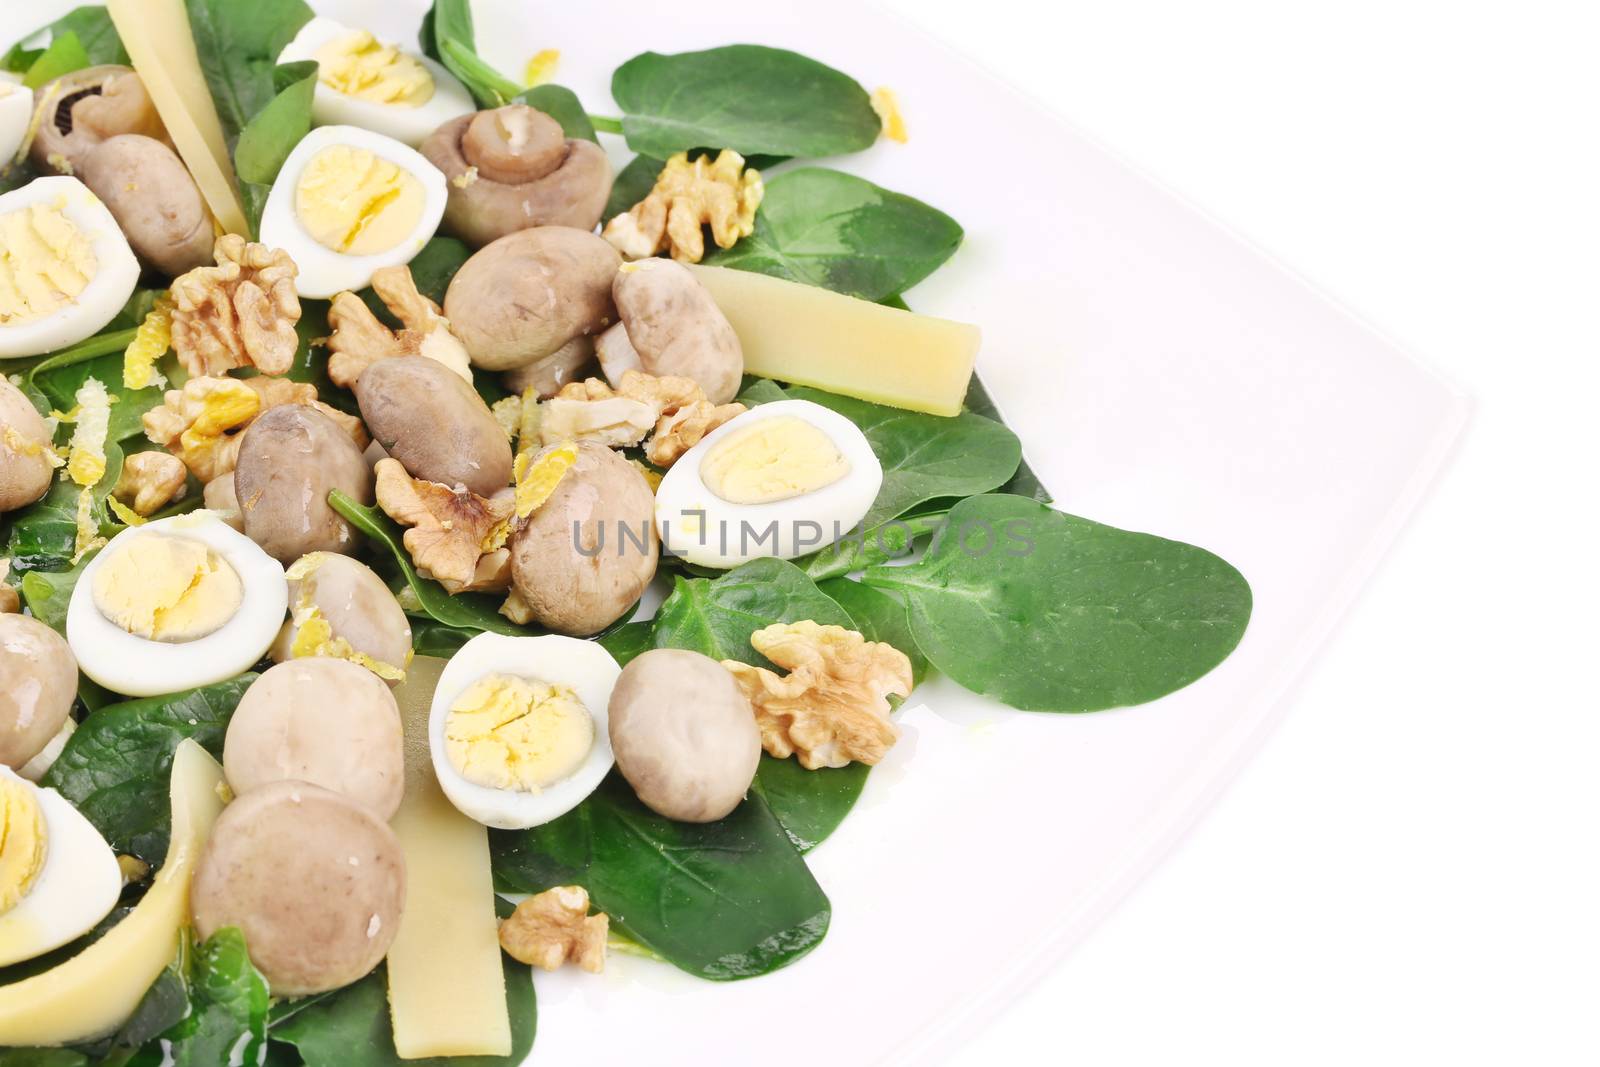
[[1408, 873]]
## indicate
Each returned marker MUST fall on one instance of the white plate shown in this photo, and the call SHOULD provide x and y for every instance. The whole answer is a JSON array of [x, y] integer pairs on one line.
[[1164, 376]]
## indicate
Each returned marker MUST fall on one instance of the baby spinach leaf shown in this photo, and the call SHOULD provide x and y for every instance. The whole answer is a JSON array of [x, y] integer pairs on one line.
[[632, 184], [238, 46], [716, 616], [350, 1027], [1025, 482], [449, 37], [42, 1057], [429, 638], [466, 611], [895, 539], [1049, 612], [227, 1020], [836, 231], [96, 34], [925, 457], [436, 265], [60, 384], [64, 55], [44, 537], [117, 765], [629, 640], [724, 900], [47, 593], [758, 391], [879, 617], [747, 97], [268, 138], [809, 804], [563, 105]]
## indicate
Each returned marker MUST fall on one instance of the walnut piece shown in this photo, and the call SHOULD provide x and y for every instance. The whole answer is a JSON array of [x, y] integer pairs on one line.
[[240, 313], [452, 532], [150, 481], [686, 197], [832, 707], [359, 339], [555, 927], [672, 407], [202, 423]]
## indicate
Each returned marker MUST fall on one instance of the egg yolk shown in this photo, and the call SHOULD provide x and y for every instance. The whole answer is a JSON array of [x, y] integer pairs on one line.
[[171, 589], [22, 841], [356, 202], [359, 65], [772, 459], [46, 263], [506, 732]]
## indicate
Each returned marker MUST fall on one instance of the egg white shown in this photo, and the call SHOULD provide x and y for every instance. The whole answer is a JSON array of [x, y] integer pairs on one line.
[[16, 112], [77, 887], [582, 666], [697, 525], [410, 125], [116, 269], [324, 272], [136, 667]]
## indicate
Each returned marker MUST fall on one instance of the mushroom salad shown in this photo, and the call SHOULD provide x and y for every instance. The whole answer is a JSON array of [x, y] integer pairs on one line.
[[445, 533]]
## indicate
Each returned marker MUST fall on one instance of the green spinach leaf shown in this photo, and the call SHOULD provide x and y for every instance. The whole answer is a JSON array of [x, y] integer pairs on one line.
[[429, 638], [633, 183], [449, 37], [465, 611], [895, 539], [629, 640], [116, 766], [227, 1021], [1025, 482], [925, 457], [809, 804], [64, 55], [350, 1027], [836, 231], [753, 99], [1049, 612], [879, 617], [716, 616], [724, 900], [238, 46], [757, 391], [60, 384], [96, 36], [47, 593], [42, 1057], [268, 138], [563, 105], [44, 537]]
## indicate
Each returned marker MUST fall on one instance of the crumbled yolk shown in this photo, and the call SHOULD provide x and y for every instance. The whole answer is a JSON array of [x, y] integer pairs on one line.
[[163, 588], [86, 457], [359, 65], [506, 732], [888, 109], [356, 202], [537, 479], [150, 343], [87, 537], [46, 263], [542, 67], [22, 840], [228, 404], [772, 459], [313, 634]]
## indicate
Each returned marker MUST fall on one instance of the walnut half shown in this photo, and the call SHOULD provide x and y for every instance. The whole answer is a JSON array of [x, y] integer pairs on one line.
[[150, 481], [453, 532], [240, 313], [688, 195], [359, 339], [833, 706], [555, 927], [672, 408]]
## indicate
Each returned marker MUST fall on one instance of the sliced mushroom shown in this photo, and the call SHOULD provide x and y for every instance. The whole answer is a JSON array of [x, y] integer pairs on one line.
[[586, 554], [548, 375], [684, 735], [525, 296], [673, 327], [85, 108], [512, 168], [25, 467], [422, 414], [292, 456]]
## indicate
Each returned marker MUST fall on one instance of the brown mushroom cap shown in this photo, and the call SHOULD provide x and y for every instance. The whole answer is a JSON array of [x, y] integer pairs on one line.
[[24, 448], [582, 588], [315, 882], [676, 328], [512, 168], [548, 375], [422, 414], [356, 606], [155, 201], [684, 735], [38, 683], [292, 456], [323, 721], [526, 295], [88, 106]]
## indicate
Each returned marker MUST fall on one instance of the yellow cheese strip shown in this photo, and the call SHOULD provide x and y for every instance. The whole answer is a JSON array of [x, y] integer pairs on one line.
[[96, 991], [447, 993], [809, 336], [157, 36]]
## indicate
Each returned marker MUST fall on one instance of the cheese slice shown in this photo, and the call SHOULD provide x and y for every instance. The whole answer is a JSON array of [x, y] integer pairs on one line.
[[157, 36], [447, 992], [808, 336], [96, 991]]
